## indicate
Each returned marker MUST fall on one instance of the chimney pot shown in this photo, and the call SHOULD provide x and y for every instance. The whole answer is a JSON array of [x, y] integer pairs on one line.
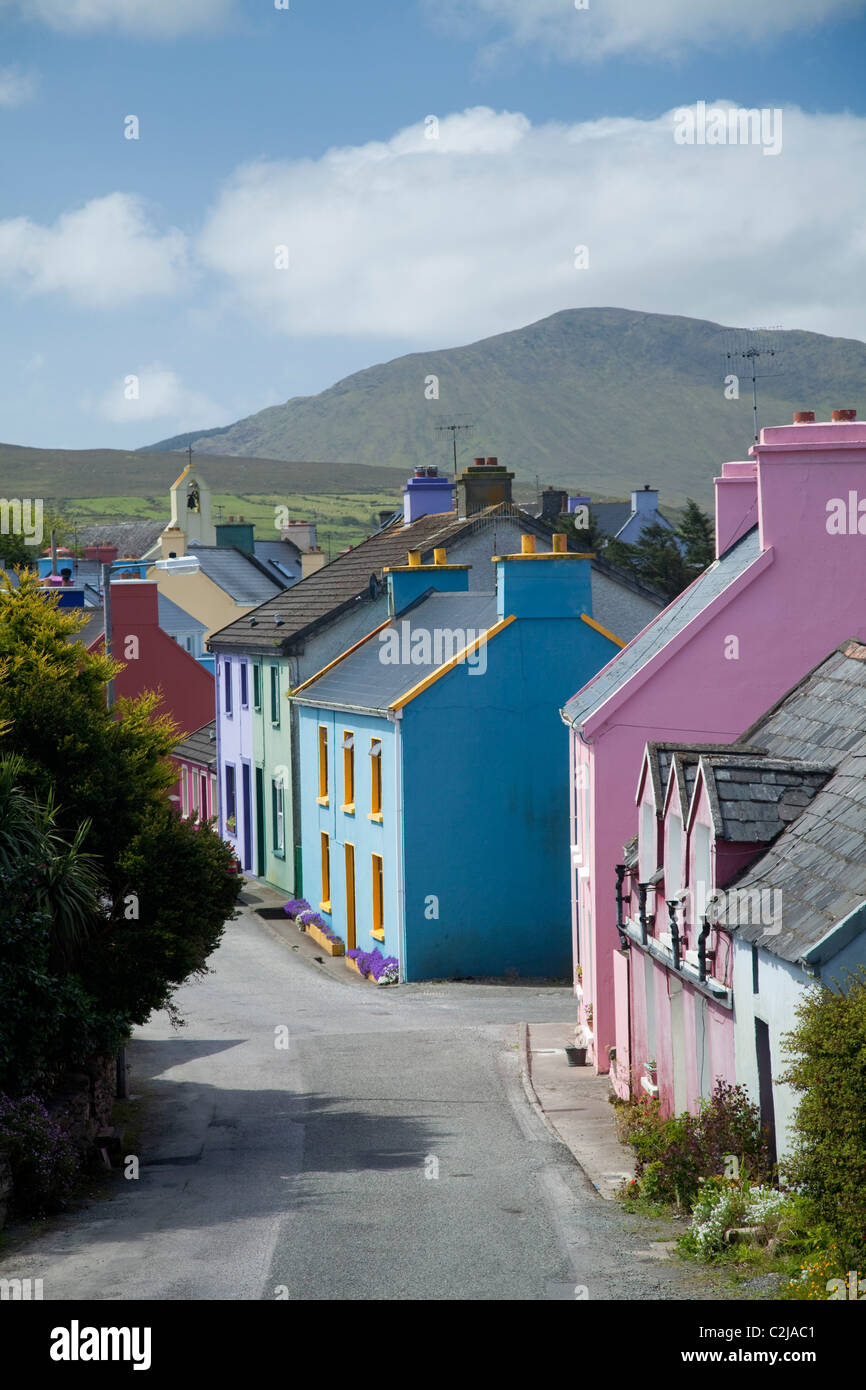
[[439, 556], [527, 545], [493, 462], [414, 559], [559, 541], [839, 415], [477, 463], [804, 417]]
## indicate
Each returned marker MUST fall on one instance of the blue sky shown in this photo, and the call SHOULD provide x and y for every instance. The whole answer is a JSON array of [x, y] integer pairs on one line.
[[305, 128]]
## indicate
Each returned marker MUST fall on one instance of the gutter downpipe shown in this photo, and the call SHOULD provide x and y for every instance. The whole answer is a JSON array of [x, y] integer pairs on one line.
[[398, 820], [702, 949], [620, 925], [675, 930], [641, 912]]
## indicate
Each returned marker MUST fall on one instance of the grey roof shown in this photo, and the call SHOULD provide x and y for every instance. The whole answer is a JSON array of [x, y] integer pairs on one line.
[[337, 586], [363, 680], [130, 537], [753, 798], [658, 633], [199, 747], [239, 574], [818, 863], [282, 559], [661, 755], [611, 516], [93, 627], [173, 618]]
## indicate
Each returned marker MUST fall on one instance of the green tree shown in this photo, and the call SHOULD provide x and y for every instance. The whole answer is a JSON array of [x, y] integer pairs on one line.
[[698, 537], [109, 772], [655, 559], [827, 1067], [592, 539]]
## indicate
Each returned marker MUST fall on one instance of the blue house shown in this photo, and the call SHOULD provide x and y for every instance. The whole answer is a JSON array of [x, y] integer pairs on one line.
[[434, 802]]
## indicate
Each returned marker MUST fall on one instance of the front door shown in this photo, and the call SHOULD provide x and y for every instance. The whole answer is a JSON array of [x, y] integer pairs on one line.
[[350, 897], [260, 822], [247, 814]]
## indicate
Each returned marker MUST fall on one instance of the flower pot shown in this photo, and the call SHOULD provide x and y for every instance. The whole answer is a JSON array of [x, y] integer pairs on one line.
[[576, 1056]]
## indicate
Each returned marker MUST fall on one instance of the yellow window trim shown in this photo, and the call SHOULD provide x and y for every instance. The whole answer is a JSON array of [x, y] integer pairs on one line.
[[449, 665], [325, 906], [585, 618], [323, 800], [379, 932], [348, 810], [376, 816]]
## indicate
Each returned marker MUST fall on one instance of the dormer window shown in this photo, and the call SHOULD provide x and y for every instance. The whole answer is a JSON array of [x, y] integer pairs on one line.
[[648, 848]]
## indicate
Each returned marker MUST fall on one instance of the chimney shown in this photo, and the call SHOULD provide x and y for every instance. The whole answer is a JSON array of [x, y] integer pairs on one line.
[[553, 504], [543, 584], [426, 494], [300, 533], [407, 582], [647, 500], [311, 561], [134, 605], [842, 416], [804, 417], [736, 503], [239, 533], [172, 542], [483, 484], [103, 554]]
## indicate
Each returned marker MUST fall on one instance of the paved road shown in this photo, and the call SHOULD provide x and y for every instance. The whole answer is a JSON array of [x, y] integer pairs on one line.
[[302, 1171]]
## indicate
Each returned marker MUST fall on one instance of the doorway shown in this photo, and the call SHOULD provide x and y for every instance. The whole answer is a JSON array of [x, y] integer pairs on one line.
[[260, 822], [350, 897]]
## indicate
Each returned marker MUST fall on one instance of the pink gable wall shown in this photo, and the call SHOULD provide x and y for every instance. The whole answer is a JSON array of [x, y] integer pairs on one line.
[[802, 597]]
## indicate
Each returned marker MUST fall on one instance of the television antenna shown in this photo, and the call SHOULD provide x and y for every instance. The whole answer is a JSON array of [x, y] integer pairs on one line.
[[454, 431], [754, 347]]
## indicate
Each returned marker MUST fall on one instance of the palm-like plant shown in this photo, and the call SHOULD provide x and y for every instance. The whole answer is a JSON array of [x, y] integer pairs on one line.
[[63, 878]]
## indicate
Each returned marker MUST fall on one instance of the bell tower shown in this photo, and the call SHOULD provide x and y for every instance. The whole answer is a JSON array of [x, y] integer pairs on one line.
[[191, 508]]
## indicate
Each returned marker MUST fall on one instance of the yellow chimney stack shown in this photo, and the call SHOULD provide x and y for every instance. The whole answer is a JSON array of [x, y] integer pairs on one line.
[[527, 545]]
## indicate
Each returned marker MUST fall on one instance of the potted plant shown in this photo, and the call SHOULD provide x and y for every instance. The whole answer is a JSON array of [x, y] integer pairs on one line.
[[589, 1017], [651, 1072], [576, 1056], [231, 825]]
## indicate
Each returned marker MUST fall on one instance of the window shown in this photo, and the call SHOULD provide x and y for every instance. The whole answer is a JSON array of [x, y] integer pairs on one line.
[[245, 694], [378, 917], [184, 790], [674, 865], [278, 809], [203, 806], [257, 686], [756, 969], [275, 694], [350, 896], [231, 806], [323, 765], [376, 779], [348, 771], [325, 904], [648, 847], [193, 782], [227, 683], [703, 884]]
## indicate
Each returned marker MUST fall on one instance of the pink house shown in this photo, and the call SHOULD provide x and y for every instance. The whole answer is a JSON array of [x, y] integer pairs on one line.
[[786, 585], [196, 789]]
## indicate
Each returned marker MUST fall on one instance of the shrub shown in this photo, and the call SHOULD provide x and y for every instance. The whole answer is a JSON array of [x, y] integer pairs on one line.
[[724, 1203], [43, 1160], [827, 1066], [383, 969]]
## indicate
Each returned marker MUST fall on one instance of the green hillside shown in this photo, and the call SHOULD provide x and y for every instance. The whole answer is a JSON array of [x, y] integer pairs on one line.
[[601, 399]]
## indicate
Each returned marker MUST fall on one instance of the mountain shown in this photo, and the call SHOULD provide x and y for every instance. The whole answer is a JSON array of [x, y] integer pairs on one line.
[[595, 399], [81, 473]]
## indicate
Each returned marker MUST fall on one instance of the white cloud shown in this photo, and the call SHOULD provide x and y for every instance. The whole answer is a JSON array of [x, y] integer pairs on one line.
[[156, 392], [652, 27], [148, 18], [103, 254], [474, 233], [16, 87]]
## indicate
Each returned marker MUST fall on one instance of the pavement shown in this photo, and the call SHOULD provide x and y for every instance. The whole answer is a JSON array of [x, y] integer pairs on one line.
[[574, 1104]]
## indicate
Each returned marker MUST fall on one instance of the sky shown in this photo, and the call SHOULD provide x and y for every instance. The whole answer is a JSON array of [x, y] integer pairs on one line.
[[210, 206]]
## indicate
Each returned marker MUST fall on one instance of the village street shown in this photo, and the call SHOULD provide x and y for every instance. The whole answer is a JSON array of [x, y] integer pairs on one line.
[[390, 1152]]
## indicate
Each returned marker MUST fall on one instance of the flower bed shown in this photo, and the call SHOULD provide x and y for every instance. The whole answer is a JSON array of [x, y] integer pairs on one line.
[[372, 965], [327, 939]]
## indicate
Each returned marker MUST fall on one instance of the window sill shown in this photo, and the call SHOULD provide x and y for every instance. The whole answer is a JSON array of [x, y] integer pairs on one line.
[[376, 816], [278, 853], [325, 906], [378, 935], [323, 800], [349, 809]]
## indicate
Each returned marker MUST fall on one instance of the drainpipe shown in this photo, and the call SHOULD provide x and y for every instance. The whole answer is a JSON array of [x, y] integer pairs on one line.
[[674, 925], [620, 924], [703, 954], [398, 837], [641, 911]]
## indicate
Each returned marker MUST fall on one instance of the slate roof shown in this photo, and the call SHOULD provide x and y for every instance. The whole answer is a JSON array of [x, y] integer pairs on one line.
[[200, 747], [93, 628], [364, 681], [237, 573], [818, 862], [281, 559], [661, 756], [753, 798], [346, 579], [173, 618], [661, 630], [611, 516], [130, 537]]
